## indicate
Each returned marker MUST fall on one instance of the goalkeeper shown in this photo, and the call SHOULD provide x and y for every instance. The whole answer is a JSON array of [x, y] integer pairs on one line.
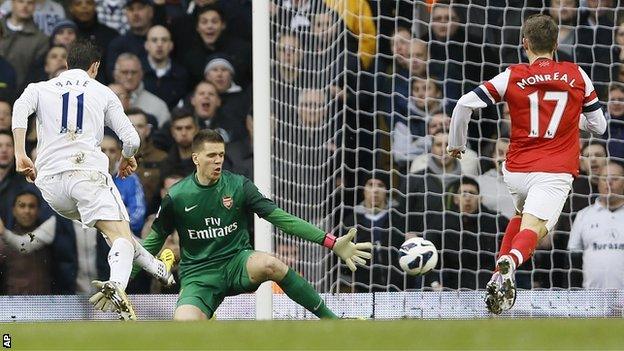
[[211, 211]]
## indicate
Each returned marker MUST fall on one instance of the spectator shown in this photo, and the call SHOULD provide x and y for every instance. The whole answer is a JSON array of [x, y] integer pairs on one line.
[[11, 183], [83, 13], [494, 192], [593, 159], [112, 14], [129, 187], [206, 108], [296, 15], [439, 124], [54, 60], [162, 76], [5, 115], [315, 142], [122, 94], [25, 262], [151, 158], [373, 218], [210, 38], [423, 191], [183, 28], [140, 15], [287, 72], [239, 154], [597, 232], [459, 55], [358, 19], [615, 117], [129, 73], [585, 186], [78, 254], [424, 102], [396, 85], [595, 39], [235, 102], [47, 14], [183, 129], [21, 42], [8, 80], [64, 33], [565, 13], [467, 238]]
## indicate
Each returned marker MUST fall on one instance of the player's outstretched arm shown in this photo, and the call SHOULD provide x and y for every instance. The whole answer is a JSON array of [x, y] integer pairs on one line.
[[344, 247]]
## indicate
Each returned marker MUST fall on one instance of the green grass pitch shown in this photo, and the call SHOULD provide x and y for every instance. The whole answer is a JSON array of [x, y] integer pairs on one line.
[[542, 334]]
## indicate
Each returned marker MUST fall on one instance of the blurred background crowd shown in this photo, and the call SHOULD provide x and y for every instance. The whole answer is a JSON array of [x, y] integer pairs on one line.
[[361, 97]]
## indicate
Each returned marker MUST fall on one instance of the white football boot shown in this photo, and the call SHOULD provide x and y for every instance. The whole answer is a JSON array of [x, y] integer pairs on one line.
[[493, 294], [507, 268], [114, 295]]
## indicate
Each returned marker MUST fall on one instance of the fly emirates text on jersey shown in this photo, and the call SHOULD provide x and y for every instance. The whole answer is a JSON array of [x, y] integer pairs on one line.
[[213, 230]]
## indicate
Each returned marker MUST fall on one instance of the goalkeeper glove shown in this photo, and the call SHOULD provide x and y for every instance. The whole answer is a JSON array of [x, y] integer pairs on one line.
[[351, 253]]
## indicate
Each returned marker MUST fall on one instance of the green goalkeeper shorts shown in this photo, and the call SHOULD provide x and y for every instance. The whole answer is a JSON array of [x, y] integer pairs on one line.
[[207, 288]]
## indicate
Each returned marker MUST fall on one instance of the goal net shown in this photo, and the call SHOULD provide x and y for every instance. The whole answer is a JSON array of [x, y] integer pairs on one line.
[[361, 94]]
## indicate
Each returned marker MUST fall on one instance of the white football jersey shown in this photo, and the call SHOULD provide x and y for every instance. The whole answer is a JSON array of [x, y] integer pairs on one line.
[[72, 110], [599, 233]]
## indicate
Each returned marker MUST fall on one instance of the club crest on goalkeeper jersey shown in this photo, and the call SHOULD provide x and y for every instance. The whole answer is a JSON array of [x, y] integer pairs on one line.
[[545, 102], [212, 221]]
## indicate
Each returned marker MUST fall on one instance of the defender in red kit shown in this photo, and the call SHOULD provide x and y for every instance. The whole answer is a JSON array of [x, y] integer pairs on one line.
[[549, 102]]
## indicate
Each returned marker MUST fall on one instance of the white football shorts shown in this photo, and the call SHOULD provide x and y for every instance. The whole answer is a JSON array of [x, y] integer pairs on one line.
[[82, 195], [539, 193]]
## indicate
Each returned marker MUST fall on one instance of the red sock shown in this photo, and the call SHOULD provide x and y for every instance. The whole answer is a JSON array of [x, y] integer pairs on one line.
[[513, 227], [522, 246]]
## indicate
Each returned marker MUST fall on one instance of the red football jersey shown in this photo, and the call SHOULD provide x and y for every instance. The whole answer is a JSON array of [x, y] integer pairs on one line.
[[545, 102]]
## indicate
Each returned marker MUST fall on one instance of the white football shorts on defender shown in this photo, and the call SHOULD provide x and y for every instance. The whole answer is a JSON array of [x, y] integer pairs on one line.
[[539, 193], [83, 195]]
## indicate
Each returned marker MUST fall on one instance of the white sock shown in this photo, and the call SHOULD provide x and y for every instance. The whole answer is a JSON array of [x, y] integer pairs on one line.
[[120, 261], [148, 262]]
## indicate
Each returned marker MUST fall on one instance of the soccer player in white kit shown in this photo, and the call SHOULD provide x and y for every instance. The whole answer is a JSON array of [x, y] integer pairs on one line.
[[72, 172], [546, 99]]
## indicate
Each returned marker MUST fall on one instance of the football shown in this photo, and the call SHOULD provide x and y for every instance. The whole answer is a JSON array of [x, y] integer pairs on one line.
[[418, 256]]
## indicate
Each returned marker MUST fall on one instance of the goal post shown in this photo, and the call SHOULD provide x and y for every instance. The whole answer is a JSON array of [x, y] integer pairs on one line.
[[262, 139]]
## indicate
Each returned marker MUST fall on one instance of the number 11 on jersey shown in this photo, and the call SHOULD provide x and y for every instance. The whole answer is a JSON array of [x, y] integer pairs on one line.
[[79, 113]]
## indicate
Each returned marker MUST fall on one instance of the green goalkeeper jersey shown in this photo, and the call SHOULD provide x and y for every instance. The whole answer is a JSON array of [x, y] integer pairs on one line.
[[213, 221]]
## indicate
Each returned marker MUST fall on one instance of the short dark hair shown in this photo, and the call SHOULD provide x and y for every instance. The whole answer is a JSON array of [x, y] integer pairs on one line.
[[612, 161], [206, 136], [180, 113], [25, 192], [82, 54], [7, 133], [616, 86], [464, 180], [136, 111], [592, 142], [208, 8], [542, 32]]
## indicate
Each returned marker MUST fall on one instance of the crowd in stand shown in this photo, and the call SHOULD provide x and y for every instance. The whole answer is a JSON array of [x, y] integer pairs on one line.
[[359, 122]]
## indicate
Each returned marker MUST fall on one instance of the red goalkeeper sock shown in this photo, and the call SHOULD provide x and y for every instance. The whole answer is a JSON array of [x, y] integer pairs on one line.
[[513, 227], [522, 246]]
